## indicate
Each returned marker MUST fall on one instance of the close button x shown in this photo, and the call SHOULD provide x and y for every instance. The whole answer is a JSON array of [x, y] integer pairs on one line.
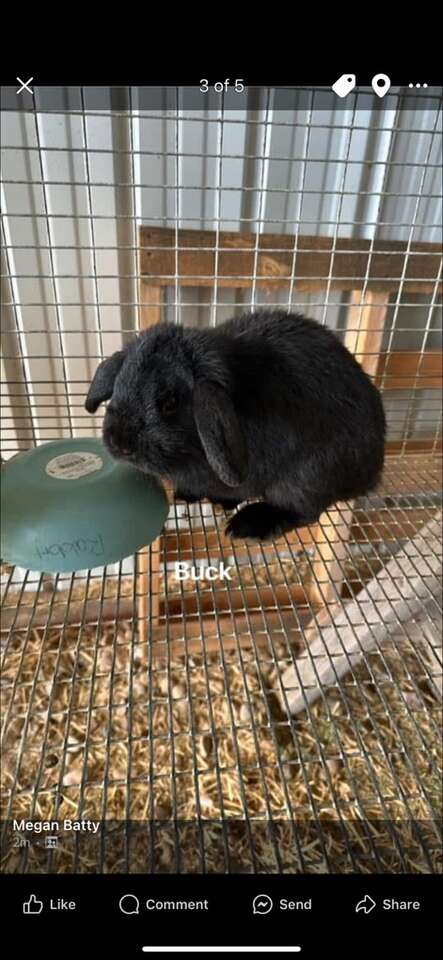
[[24, 86]]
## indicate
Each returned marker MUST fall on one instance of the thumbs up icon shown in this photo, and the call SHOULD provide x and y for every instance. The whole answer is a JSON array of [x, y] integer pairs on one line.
[[33, 905]]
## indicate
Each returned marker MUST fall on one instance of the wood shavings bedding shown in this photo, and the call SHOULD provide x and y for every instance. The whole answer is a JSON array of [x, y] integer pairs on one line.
[[106, 735]]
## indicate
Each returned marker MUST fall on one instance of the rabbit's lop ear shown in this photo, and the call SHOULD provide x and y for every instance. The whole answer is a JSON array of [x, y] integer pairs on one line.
[[103, 383], [220, 433]]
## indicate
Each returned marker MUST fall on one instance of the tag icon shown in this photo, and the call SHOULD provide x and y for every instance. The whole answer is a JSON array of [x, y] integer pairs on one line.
[[344, 84], [381, 84]]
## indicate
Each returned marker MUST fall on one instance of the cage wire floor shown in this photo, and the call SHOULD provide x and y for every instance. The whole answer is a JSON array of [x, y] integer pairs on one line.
[[175, 738]]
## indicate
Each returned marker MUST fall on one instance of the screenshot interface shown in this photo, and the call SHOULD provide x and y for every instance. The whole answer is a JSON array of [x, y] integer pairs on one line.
[[221, 556]]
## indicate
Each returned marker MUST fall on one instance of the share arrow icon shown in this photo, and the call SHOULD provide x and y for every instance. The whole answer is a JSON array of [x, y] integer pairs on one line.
[[365, 905]]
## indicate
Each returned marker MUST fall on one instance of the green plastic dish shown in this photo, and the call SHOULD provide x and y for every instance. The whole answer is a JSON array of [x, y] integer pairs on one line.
[[69, 506]]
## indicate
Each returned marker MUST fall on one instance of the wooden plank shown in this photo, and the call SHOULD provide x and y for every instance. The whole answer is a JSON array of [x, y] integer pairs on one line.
[[379, 526], [366, 316], [373, 523], [167, 638], [330, 537], [151, 303], [148, 584], [424, 445], [353, 262], [239, 598], [62, 613], [338, 641], [202, 544], [410, 370], [413, 473]]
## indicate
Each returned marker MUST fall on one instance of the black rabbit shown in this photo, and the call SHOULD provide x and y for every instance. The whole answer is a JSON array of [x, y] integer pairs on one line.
[[267, 406]]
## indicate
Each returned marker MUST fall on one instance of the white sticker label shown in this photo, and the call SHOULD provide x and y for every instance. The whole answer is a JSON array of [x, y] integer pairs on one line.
[[71, 466]]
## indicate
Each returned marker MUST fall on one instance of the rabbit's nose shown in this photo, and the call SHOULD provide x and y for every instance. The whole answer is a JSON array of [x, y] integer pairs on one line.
[[115, 444], [120, 449]]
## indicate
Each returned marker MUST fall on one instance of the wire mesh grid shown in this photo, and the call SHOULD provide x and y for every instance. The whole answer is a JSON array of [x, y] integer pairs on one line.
[[155, 706], [186, 731]]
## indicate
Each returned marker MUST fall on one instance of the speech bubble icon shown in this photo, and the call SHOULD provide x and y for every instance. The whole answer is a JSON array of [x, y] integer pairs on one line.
[[262, 904], [129, 904]]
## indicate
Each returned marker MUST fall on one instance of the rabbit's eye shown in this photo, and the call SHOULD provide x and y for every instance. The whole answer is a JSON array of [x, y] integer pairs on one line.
[[168, 404]]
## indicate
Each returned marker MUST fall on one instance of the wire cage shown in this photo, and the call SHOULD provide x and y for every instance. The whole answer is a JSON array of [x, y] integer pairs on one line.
[[287, 718]]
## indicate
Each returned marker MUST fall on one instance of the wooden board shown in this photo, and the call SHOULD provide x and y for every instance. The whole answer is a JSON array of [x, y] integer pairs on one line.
[[354, 261], [365, 323], [408, 370], [365, 320], [174, 636], [424, 445], [151, 300], [331, 538], [238, 599], [339, 638], [383, 526]]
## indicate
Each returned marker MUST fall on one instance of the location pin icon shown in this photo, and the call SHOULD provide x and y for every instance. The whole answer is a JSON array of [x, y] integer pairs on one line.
[[381, 84]]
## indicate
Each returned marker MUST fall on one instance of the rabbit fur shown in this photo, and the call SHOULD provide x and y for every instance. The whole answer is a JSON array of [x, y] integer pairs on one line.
[[269, 406]]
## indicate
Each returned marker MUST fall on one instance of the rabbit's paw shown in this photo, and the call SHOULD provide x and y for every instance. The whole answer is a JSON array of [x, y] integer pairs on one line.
[[261, 521]]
